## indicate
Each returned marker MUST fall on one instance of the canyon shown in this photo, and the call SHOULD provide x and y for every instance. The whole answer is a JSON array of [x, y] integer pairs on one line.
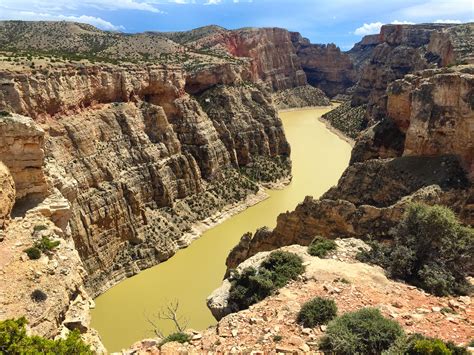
[[127, 148]]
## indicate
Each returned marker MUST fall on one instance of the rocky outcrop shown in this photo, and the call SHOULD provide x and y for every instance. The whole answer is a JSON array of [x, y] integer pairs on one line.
[[404, 49], [7, 195], [344, 219], [326, 67], [301, 96], [21, 150], [271, 326], [434, 109], [49, 291], [70, 89]]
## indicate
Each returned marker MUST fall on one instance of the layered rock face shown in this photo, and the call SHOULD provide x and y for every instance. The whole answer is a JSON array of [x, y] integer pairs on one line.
[[7, 195], [434, 109], [326, 67], [271, 53], [125, 144], [21, 150], [404, 49]]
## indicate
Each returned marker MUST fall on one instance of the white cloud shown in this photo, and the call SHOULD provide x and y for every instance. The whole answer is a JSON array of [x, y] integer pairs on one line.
[[396, 22], [38, 16], [448, 21], [368, 28], [71, 6], [213, 2]]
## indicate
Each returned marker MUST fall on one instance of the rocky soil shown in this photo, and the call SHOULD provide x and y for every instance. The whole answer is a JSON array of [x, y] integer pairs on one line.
[[270, 326]]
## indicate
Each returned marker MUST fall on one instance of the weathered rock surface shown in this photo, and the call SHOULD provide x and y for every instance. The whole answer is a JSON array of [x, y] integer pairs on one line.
[[49, 291], [272, 56], [125, 144], [434, 109], [326, 67], [7, 195], [21, 150]]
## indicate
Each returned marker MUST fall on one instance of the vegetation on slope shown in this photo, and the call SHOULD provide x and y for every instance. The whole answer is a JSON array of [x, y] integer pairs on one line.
[[14, 340], [253, 285], [431, 250]]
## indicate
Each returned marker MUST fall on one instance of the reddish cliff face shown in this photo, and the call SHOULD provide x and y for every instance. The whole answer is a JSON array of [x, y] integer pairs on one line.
[[326, 67], [272, 56]]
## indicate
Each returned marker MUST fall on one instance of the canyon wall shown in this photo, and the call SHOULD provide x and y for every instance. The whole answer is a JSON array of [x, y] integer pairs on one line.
[[403, 49], [270, 50], [326, 67], [429, 161], [139, 160]]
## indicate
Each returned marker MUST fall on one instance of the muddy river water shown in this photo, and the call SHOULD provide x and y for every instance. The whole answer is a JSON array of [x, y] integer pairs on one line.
[[319, 158]]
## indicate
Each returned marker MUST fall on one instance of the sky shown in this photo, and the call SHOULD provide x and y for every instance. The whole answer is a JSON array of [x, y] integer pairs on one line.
[[342, 22]]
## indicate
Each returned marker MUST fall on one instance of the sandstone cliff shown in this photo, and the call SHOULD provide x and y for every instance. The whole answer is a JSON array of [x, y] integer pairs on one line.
[[139, 160], [404, 49]]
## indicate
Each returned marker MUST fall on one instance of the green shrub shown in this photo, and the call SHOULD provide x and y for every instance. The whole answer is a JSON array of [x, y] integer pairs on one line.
[[284, 266], [418, 344], [46, 244], [429, 346], [180, 337], [365, 331], [316, 312], [321, 246], [33, 253], [277, 338], [14, 340], [253, 285], [431, 250]]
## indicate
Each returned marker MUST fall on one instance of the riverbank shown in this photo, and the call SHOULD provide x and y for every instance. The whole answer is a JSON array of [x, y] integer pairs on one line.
[[328, 125], [195, 271], [229, 211]]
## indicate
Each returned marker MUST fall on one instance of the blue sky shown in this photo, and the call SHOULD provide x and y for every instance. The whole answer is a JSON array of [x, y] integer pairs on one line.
[[338, 21]]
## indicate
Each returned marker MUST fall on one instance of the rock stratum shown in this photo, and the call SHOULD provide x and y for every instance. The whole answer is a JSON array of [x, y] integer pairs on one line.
[[122, 147]]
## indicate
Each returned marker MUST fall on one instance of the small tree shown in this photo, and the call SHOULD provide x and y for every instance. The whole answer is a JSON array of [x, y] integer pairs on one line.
[[170, 313]]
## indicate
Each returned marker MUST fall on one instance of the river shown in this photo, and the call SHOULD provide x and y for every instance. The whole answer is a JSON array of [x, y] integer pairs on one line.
[[319, 158]]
